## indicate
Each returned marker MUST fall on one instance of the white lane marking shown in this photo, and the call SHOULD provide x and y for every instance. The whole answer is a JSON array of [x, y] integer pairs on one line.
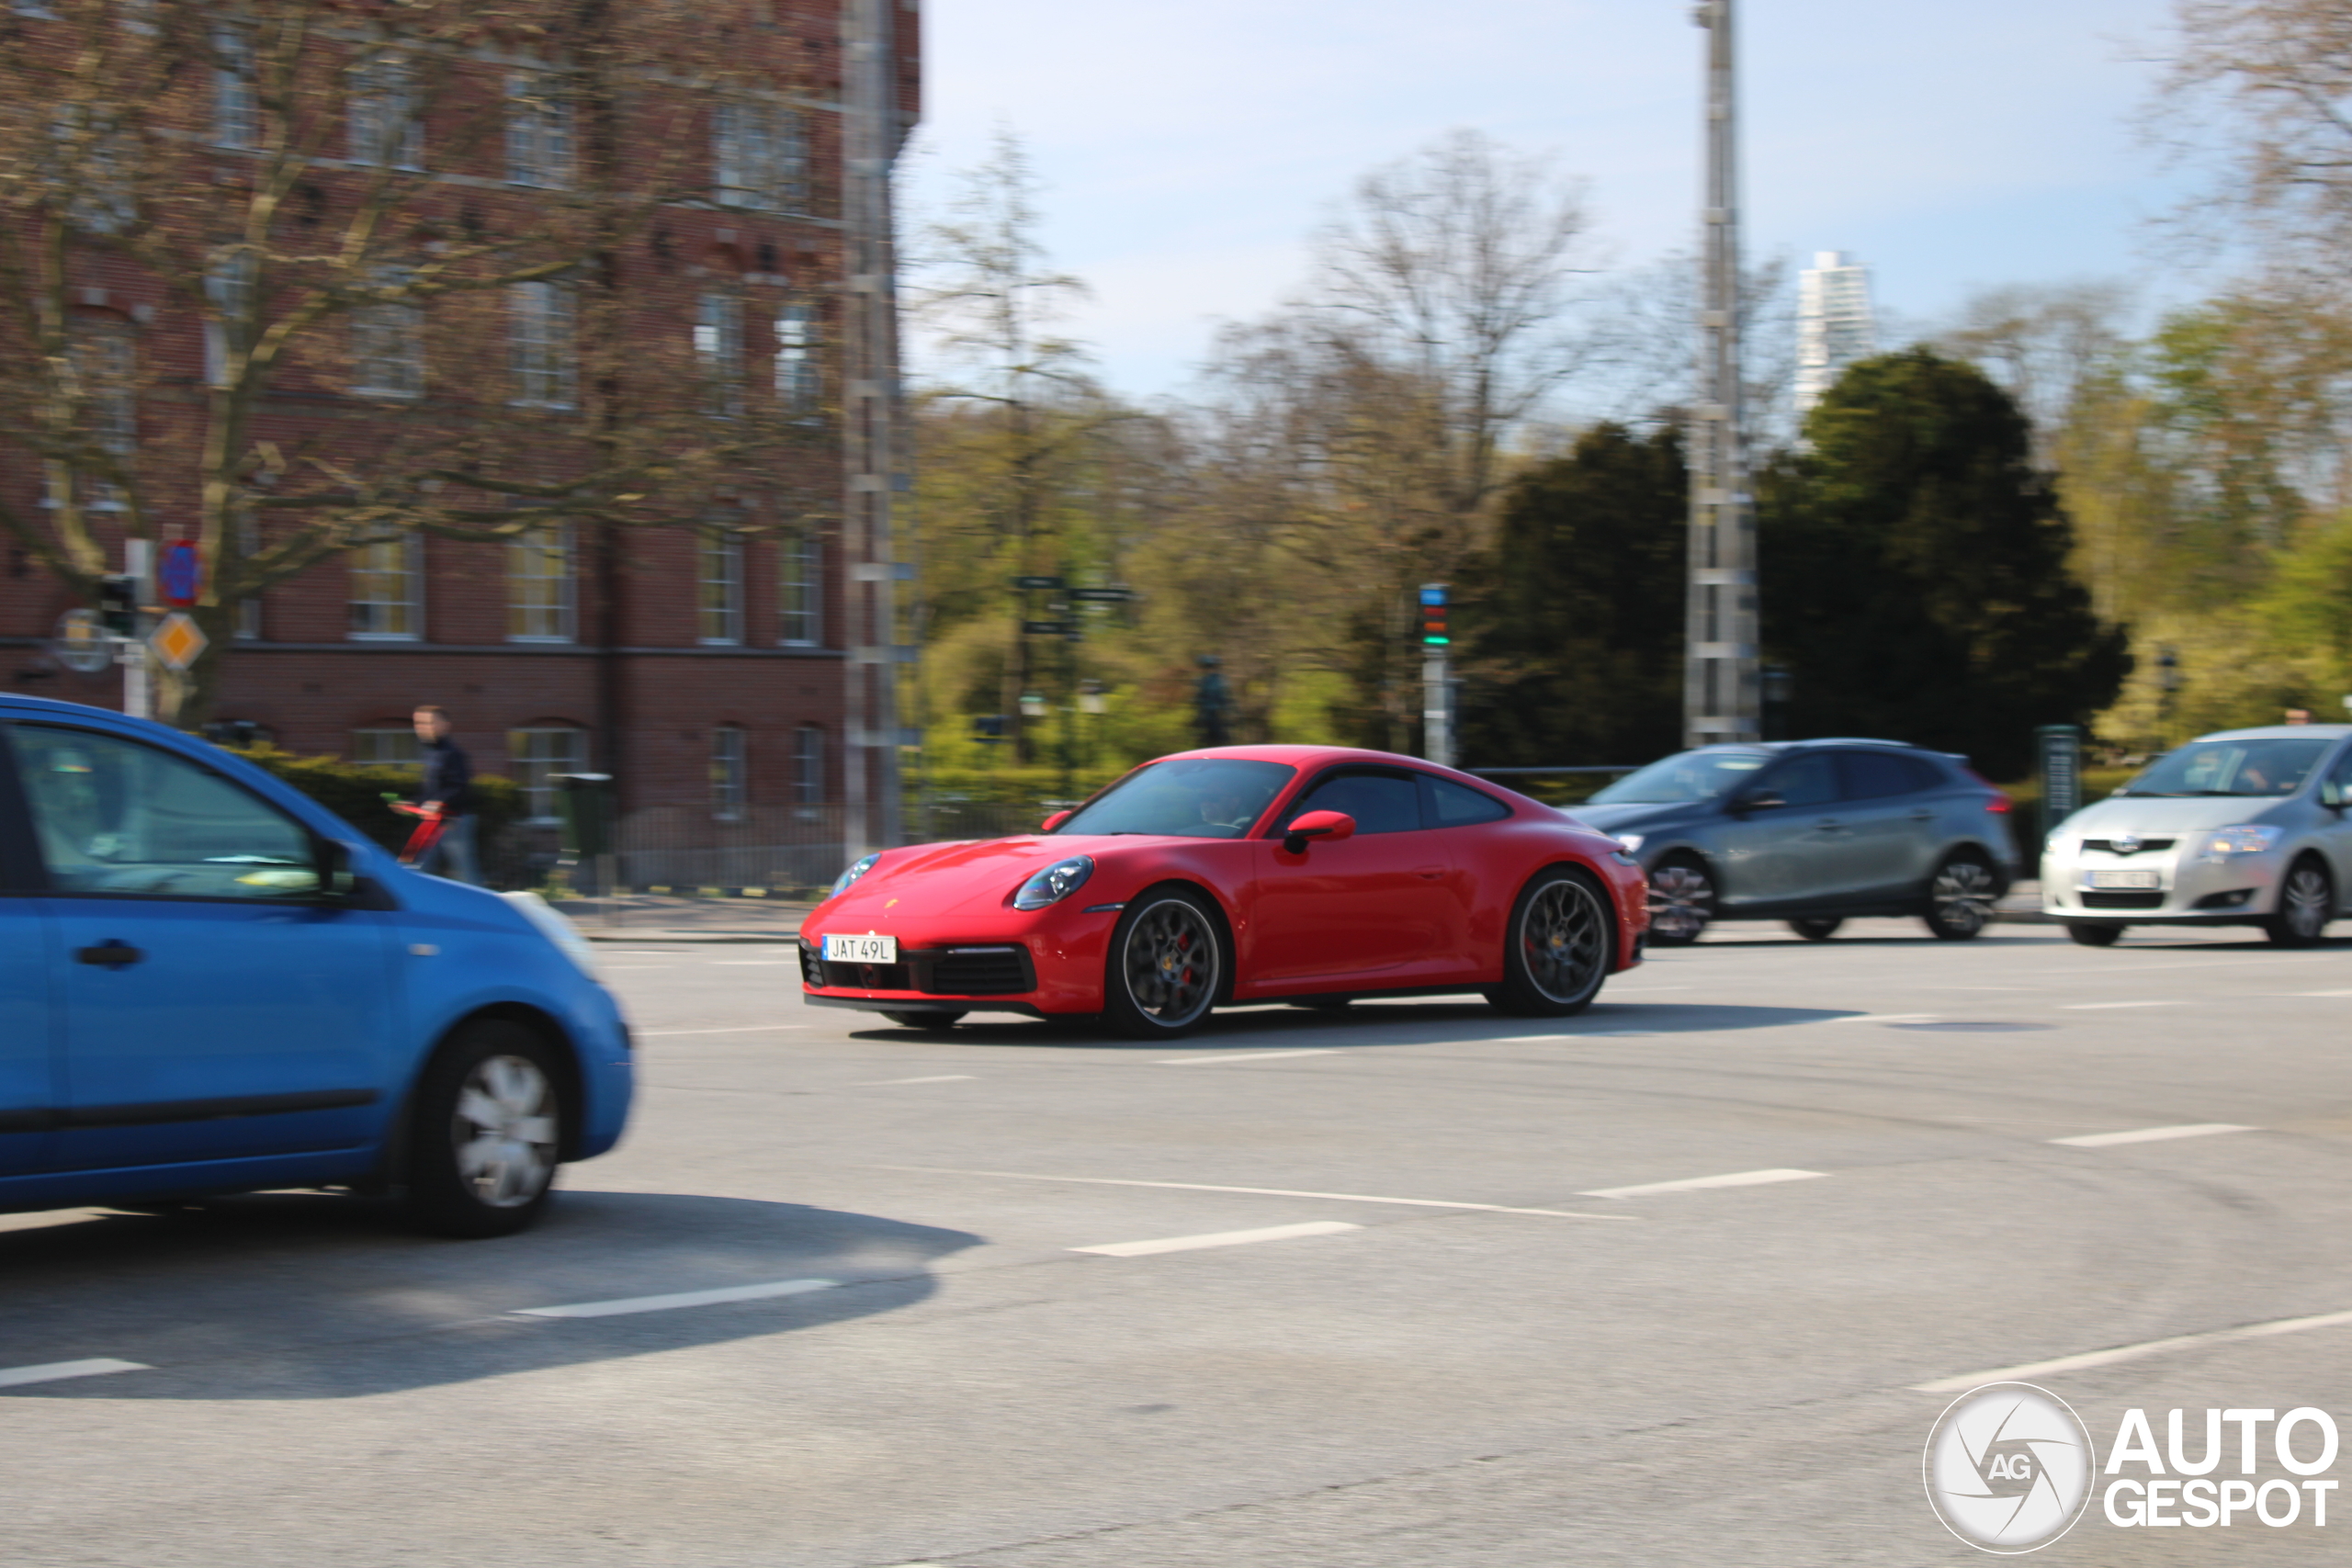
[[749, 963], [2321, 993], [1540, 1038], [1244, 1056], [1263, 1192], [2133, 1352], [2152, 1134], [628, 1305], [1219, 1238], [635, 968], [1889, 1018], [58, 1371], [745, 1029], [2103, 1007], [941, 1078], [1699, 1183]]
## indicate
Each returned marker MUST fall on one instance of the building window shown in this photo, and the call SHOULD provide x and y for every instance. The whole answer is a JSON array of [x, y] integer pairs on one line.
[[800, 588], [388, 345], [90, 170], [726, 783], [536, 756], [236, 106], [384, 118], [105, 362], [759, 156], [808, 765], [719, 352], [719, 576], [228, 330], [799, 381], [539, 585], [388, 591], [540, 345], [387, 747], [538, 130]]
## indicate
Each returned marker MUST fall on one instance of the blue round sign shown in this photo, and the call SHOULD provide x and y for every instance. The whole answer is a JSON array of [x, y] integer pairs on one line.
[[182, 574]]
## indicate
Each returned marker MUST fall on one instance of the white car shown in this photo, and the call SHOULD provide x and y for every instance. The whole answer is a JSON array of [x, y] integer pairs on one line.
[[2244, 828]]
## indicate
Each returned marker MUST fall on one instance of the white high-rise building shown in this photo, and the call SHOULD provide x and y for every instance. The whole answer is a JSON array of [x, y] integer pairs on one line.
[[1835, 327]]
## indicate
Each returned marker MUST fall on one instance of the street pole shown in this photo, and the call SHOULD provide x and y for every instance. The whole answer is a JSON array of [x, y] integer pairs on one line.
[[137, 670], [1719, 697], [1437, 688]]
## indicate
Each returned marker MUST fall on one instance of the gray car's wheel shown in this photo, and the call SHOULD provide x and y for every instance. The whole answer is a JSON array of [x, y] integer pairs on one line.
[[1559, 946], [1167, 967], [1961, 898], [488, 1132], [2096, 936], [1815, 930], [1683, 901], [923, 1019], [2306, 903]]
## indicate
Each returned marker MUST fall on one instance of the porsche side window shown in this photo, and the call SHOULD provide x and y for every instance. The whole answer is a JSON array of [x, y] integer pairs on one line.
[[1381, 803], [1459, 805]]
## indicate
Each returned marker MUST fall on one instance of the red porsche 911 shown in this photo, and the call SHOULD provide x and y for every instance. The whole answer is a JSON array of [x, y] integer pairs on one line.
[[1310, 874]]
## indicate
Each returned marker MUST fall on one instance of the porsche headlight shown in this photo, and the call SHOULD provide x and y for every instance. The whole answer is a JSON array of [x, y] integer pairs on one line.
[[1053, 883], [841, 883], [2227, 843]]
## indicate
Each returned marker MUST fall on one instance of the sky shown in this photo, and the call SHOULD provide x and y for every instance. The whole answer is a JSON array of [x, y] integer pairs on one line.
[[1188, 149]]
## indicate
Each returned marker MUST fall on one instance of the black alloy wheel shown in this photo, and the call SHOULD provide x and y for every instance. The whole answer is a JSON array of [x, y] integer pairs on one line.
[[1961, 898], [1683, 901], [488, 1130], [1815, 930], [915, 1018], [2095, 936], [2306, 903], [1167, 967], [1560, 946]]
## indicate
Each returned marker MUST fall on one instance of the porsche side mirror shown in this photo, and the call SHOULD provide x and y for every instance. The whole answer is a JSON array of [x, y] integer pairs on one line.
[[1056, 820], [1762, 800], [1332, 825]]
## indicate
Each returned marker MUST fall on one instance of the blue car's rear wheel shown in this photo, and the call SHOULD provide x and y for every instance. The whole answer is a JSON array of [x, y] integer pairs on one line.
[[1167, 967], [488, 1132]]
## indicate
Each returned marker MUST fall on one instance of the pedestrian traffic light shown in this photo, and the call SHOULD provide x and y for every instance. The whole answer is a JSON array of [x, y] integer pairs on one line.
[[119, 605], [1433, 632]]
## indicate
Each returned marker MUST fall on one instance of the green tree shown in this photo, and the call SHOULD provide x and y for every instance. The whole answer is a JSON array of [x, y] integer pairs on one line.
[[1916, 569], [1571, 623]]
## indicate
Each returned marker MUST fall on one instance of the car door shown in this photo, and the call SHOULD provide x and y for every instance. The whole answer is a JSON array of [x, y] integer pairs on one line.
[[1480, 885], [1789, 852], [1891, 834], [1372, 906], [28, 1067], [214, 1006]]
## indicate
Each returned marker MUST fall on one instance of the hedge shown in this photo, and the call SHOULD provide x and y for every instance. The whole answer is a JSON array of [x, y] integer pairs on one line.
[[356, 791]]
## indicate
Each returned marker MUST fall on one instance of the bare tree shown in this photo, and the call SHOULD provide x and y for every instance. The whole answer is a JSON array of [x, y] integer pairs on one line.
[[2045, 345]]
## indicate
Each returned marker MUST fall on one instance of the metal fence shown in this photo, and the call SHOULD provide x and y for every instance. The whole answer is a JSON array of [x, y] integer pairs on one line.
[[760, 849]]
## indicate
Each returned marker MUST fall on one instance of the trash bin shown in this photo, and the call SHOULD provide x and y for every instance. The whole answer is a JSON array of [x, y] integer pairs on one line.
[[584, 801]]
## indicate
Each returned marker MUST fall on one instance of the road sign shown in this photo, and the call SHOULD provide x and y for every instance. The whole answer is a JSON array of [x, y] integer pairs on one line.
[[177, 641], [82, 644], [1102, 595], [181, 576], [1044, 628], [1036, 583]]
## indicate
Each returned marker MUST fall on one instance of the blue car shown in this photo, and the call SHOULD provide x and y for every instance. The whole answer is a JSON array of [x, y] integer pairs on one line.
[[209, 984]]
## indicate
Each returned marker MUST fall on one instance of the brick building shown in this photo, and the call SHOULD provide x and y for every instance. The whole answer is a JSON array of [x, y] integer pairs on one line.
[[709, 668]]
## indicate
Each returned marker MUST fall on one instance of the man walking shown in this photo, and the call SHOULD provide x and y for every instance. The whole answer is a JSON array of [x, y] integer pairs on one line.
[[446, 786]]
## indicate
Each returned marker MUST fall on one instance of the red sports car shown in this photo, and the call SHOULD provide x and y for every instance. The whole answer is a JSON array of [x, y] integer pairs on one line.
[[1247, 873]]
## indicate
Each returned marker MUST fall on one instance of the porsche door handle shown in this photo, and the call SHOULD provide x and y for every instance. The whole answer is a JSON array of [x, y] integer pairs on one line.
[[1428, 873], [112, 953]]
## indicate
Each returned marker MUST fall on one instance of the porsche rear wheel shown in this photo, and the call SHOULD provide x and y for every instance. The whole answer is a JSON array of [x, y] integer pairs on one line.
[[1560, 946], [1167, 967]]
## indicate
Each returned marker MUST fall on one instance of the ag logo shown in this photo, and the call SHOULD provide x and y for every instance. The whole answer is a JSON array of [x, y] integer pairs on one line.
[[2008, 1468]]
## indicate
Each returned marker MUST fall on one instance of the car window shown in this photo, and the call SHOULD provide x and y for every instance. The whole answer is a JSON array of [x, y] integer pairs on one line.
[[1809, 780], [1187, 797], [1872, 775], [1458, 805], [2255, 766], [1381, 803], [114, 816], [1686, 776]]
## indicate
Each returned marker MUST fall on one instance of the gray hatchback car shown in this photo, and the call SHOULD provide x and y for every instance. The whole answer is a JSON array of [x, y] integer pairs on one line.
[[1813, 832]]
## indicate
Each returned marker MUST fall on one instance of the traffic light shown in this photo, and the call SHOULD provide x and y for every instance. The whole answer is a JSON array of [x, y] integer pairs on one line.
[[1433, 633], [117, 605]]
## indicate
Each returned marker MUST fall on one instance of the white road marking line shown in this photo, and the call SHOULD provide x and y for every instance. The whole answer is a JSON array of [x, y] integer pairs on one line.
[[1698, 1184], [746, 1029], [1264, 1192], [2133, 1352], [942, 1077], [58, 1371], [1539, 1039], [749, 963], [1244, 1056], [2321, 993], [626, 1305], [2103, 1007], [1889, 1018], [1219, 1238], [2154, 1134]]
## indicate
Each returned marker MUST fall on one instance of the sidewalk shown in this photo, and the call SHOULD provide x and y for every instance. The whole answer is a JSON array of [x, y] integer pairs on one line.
[[647, 917]]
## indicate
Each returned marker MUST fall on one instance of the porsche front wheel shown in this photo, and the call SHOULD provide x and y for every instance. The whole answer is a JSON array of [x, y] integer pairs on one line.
[[1560, 946], [1166, 967]]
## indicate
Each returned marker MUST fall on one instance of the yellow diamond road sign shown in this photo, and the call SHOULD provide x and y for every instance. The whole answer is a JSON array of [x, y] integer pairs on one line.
[[177, 641]]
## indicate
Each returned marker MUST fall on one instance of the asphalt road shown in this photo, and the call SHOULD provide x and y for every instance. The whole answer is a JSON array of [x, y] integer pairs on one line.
[[1467, 1337]]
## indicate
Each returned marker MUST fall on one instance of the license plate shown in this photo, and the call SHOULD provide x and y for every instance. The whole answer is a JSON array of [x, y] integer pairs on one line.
[[868, 949], [2142, 879]]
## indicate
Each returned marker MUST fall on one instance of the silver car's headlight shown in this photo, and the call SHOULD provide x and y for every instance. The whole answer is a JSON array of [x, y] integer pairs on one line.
[[2226, 843], [1629, 842], [841, 883], [1053, 883], [2053, 844]]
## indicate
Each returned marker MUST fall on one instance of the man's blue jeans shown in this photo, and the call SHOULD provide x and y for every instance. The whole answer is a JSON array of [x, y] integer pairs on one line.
[[452, 855]]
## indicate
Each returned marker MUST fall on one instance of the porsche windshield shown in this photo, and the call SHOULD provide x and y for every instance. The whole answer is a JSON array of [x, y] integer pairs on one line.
[[1691, 776], [2253, 767], [1205, 797]]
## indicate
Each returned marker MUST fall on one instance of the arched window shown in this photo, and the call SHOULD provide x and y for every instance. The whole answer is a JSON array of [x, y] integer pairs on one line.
[[808, 765], [729, 783], [535, 753]]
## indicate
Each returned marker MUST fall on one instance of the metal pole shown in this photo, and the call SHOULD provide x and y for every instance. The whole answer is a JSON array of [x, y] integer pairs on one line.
[[138, 664], [1437, 709], [1719, 698]]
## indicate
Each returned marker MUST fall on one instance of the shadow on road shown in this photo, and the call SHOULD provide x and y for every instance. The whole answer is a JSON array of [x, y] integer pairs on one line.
[[308, 1296]]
